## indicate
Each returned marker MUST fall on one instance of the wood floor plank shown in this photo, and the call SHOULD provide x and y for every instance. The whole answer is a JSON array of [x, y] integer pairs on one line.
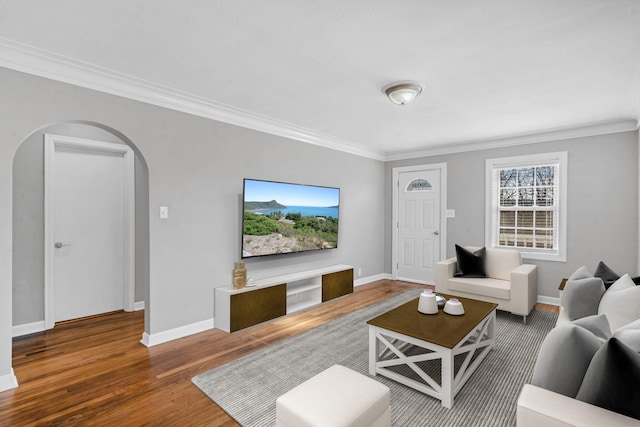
[[95, 371]]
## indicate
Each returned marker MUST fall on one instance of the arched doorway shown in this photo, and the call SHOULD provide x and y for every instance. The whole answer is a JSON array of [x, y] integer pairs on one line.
[[28, 297]]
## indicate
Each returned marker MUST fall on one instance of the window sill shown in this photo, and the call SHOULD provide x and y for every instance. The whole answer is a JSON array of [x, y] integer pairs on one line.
[[554, 257]]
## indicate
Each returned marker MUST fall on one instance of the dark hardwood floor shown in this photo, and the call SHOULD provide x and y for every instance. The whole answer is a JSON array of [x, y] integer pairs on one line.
[[95, 371]]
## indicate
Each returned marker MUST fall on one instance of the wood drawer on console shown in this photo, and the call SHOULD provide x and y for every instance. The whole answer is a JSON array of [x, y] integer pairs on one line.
[[257, 306], [337, 284]]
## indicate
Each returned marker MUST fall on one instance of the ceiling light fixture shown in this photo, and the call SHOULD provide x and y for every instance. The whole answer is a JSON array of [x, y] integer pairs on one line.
[[403, 93]]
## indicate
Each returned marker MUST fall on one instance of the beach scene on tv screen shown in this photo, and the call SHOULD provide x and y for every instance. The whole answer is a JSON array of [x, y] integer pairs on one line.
[[285, 218]]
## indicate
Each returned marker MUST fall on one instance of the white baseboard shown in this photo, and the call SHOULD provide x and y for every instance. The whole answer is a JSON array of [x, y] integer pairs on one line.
[[137, 306], [9, 381], [28, 328], [366, 280], [150, 340], [548, 300]]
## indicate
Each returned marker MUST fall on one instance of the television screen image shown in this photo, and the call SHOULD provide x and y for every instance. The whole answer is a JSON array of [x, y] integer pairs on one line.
[[281, 218]]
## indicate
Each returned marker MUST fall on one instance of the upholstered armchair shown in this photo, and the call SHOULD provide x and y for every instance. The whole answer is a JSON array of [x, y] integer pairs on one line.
[[508, 282]]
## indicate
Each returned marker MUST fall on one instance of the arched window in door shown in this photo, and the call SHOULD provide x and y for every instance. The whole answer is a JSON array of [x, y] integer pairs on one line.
[[418, 184]]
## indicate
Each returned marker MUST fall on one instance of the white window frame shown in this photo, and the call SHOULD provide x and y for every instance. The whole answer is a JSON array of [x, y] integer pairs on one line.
[[492, 200]]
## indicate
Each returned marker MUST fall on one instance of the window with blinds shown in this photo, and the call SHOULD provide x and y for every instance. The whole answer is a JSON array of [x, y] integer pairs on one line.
[[527, 205]]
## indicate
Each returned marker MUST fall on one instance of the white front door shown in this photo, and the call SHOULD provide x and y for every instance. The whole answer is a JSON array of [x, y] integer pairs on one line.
[[418, 221], [88, 191]]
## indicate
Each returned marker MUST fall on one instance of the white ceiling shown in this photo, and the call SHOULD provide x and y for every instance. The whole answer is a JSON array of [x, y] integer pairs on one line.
[[314, 70]]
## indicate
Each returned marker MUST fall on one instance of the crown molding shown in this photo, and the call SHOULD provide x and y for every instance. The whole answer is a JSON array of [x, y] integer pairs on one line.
[[28, 59], [524, 139]]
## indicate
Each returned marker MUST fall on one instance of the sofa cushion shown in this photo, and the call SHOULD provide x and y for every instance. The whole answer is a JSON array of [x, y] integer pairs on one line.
[[621, 302], [597, 324], [629, 334], [581, 297], [501, 262], [564, 357], [607, 275], [633, 325], [470, 264], [612, 379], [489, 287], [580, 273], [630, 338]]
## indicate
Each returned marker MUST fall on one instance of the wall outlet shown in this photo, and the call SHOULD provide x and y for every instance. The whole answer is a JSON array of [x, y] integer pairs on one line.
[[359, 272]]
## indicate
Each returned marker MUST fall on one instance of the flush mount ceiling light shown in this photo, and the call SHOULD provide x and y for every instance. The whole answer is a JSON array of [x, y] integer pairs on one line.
[[403, 93]]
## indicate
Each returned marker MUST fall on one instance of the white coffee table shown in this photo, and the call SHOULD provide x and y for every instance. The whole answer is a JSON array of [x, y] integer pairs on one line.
[[404, 345]]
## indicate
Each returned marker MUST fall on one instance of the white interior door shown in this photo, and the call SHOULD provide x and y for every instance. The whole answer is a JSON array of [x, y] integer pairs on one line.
[[418, 224], [88, 191]]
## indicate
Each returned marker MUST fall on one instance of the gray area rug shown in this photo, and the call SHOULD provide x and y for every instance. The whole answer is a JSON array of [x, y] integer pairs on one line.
[[247, 388]]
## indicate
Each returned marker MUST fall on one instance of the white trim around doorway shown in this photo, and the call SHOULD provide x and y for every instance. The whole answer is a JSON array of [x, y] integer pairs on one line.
[[442, 167], [52, 141]]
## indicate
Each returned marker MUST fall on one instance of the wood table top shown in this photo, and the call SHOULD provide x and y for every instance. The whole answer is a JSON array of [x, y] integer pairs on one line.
[[442, 329]]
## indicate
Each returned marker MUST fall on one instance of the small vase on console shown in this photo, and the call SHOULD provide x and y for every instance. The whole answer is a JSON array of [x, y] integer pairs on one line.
[[239, 275]]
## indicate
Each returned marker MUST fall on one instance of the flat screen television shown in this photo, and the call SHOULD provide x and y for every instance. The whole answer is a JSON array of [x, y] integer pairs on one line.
[[285, 218]]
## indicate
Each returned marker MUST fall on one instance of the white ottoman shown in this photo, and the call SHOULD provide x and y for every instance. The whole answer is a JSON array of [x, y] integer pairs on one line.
[[336, 397]]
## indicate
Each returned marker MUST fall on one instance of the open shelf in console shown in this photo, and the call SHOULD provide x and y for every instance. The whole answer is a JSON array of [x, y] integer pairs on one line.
[[304, 293]]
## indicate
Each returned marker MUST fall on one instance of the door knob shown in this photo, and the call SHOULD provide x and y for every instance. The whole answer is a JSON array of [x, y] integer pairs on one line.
[[58, 245], [436, 233]]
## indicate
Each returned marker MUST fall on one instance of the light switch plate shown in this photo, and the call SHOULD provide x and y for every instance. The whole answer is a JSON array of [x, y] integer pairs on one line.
[[164, 212]]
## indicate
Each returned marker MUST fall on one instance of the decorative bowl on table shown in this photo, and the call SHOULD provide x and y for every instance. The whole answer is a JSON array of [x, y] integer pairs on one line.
[[454, 307]]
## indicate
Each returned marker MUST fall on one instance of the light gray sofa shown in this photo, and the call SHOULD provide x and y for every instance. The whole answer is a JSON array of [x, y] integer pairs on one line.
[[510, 283], [538, 407], [570, 360]]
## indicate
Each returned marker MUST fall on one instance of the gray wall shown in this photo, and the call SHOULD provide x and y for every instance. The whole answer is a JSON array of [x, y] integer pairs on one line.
[[195, 166], [602, 220], [28, 220]]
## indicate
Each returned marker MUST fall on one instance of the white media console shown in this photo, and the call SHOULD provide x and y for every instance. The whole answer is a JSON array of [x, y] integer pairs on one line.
[[277, 296]]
